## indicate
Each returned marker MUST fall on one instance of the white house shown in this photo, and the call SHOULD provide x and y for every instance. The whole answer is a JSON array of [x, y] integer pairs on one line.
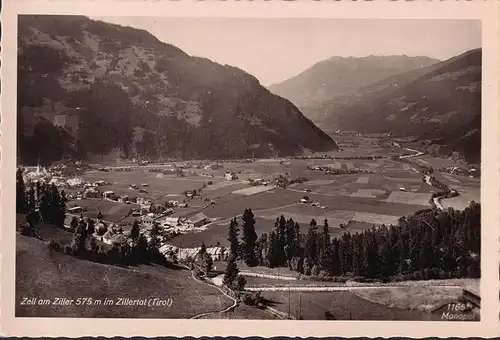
[[197, 220], [170, 222], [109, 194], [230, 176]]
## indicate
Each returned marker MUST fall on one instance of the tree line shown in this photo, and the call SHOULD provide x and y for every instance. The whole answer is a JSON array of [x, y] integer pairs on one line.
[[429, 244], [132, 250], [39, 202]]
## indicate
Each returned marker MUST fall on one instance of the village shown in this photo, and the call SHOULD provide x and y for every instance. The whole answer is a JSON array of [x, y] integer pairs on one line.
[[169, 217], [186, 207]]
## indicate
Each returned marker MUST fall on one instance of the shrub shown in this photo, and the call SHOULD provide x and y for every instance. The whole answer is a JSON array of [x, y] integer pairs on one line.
[[340, 279], [53, 245], [26, 230], [359, 279], [68, 250]]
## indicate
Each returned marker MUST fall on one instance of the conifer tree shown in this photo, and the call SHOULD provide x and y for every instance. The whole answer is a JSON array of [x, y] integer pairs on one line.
[[90, 227], [249, 238], [74, 223], [134, 233], [20, 192], [233, 238], [231, 272], [272, 253], [31, 199], [311, 246]]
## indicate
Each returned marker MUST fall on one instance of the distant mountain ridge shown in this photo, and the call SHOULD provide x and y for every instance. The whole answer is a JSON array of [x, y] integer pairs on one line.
[[339, 76], [441, 103], [147, 98]]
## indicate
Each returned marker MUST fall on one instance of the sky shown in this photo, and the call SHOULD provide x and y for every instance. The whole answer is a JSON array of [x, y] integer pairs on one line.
[[275, 49]]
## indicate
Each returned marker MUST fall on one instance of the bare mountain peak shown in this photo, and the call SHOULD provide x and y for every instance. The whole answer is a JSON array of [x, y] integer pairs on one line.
[[337, 76]]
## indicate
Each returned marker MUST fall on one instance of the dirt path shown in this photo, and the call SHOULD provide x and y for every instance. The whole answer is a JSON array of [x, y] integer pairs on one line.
[[268, 276], [223, 293], [329, 288]]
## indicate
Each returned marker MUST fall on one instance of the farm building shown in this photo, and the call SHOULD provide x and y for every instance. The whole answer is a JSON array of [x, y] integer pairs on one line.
[[197, 220], [230, 176], [112, 238], [218, 253], [145, 208], [157, 208], [123, 199], [213, 166], [91, 193], [170, 221], [172, 203], [148, 219], [109, 194], [75, 210]]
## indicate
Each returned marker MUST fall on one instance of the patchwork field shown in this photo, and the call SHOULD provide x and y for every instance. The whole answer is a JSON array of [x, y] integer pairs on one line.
[[424, 299], [358, 201], [408, 198], [159, 188], [375, 218], [342, 305], [252, 190], [112, 211]]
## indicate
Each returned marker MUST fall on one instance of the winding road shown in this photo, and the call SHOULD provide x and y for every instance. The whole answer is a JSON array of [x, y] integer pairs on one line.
[[235, 302]]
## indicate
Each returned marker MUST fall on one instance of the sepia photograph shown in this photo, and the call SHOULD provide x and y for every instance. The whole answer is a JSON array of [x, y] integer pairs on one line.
[[236, 168], [213, 169]]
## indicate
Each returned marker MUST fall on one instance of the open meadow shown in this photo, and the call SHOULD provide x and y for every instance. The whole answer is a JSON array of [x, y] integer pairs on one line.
[[45, 274], [339, 305]]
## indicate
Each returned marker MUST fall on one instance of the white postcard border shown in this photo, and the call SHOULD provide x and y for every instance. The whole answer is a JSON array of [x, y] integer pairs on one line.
[[486, 11]]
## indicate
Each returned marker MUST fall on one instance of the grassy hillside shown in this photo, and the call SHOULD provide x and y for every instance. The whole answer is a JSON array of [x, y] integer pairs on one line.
[[45, 274]]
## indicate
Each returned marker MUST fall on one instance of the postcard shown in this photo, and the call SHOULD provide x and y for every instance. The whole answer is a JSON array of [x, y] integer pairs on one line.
[[250, 168]]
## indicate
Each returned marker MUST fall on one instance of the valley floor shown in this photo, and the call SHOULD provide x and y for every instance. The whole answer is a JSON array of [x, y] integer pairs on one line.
[[388, 190]]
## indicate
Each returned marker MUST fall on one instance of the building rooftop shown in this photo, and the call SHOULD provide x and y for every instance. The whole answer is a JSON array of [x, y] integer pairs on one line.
[[197, 218]]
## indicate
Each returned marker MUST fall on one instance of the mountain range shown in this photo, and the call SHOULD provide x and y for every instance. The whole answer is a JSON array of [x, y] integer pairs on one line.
[[338, 76], [439, 102], [133, 93]]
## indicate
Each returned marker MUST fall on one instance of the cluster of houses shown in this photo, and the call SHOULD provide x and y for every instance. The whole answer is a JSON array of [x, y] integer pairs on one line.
[[111, 233], [185, 254], [306, 200], [455, 170], [105, 232], [175, 223], [338, 171], [186, 168], [258, 182]]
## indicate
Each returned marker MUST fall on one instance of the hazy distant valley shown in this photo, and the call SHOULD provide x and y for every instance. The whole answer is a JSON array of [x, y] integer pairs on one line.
[[439, 103]]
